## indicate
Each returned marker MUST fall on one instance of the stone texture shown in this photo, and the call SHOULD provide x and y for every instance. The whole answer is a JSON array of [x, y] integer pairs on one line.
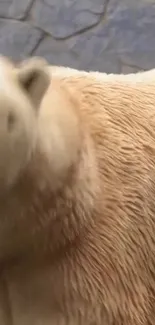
[[131, 26], [124, 41], [14, 9], [58, 52], [63, 18], [106, 35], [69, 53], [18, 39]]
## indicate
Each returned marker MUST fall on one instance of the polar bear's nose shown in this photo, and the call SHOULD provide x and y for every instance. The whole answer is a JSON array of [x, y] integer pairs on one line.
[[11, 121], [8, 120]]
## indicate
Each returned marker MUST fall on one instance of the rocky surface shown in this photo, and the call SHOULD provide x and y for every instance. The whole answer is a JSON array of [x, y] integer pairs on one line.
[[106, 35]]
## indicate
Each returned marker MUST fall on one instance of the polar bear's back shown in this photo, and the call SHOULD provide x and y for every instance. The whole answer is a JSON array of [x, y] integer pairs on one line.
[[69, 72], [129, 96]]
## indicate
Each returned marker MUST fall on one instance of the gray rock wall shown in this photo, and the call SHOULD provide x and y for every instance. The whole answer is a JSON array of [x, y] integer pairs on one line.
[[106, 35]]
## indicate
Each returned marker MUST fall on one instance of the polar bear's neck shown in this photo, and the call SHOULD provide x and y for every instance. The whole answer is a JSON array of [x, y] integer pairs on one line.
[[35, 219]]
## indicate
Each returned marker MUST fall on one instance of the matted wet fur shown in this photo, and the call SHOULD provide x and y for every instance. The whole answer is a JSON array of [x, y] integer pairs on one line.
[[77, 196]]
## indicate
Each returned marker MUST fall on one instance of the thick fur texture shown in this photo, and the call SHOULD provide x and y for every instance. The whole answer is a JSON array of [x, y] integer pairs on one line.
[[77, 203]]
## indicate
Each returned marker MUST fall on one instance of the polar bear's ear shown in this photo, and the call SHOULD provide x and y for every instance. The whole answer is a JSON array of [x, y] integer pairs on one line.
[[33, 76]]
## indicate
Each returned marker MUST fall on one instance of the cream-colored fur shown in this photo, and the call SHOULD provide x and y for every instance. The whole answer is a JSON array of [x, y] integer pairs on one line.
[[77, 211]]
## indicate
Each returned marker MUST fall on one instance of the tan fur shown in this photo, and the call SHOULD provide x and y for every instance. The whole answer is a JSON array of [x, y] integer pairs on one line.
[[77, 226]]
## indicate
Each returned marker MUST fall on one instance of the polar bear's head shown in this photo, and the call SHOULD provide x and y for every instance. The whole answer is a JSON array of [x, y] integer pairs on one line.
[[21, 92]]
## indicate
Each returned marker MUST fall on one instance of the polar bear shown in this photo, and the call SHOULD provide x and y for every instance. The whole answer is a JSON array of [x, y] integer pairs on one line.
[[77, 188]]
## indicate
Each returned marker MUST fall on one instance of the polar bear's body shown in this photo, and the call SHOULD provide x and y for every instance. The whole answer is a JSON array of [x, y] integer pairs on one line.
[[77, 228]]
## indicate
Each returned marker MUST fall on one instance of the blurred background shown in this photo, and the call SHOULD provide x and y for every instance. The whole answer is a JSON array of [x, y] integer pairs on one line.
[[106, 35]]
